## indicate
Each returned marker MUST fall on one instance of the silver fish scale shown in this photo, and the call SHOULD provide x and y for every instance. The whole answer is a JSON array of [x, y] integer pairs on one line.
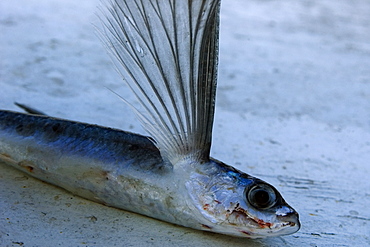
[[108, 166]]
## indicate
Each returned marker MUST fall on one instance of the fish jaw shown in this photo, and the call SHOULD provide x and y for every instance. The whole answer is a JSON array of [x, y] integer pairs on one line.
[[219, 192]]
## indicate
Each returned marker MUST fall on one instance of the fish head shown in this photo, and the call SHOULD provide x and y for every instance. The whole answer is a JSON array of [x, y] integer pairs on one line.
[[235, 203]]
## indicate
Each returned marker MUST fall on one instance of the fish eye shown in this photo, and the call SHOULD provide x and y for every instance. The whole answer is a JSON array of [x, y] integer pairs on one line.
[[261, 196]]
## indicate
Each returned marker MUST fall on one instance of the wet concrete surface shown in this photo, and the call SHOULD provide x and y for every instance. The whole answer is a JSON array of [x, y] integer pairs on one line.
[[293, 108]]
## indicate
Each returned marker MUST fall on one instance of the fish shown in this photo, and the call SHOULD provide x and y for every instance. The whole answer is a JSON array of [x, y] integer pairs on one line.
[[167, 53]]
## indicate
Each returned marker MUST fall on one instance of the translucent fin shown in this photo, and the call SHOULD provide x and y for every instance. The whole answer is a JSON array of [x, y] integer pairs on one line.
[[166, 51]]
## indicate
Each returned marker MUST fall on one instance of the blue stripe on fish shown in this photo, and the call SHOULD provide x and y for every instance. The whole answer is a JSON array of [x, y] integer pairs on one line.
[[74, 138]]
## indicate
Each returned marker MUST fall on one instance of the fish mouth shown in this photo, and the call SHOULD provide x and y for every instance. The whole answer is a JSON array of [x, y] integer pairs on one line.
[[290, 223], [282, 225], [285, 225], [272, 230]]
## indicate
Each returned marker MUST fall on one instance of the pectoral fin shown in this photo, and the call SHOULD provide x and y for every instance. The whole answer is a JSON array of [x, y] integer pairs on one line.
[[167, 52]]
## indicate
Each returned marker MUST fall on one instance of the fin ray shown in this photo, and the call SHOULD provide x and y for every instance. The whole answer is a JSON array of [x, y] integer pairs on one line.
[[166, 51]]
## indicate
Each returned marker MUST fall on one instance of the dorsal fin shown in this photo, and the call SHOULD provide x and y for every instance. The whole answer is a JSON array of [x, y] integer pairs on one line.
[[166, 51]]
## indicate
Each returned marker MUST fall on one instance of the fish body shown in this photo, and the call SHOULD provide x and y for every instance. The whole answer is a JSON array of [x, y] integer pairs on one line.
[[166, 51], [126, 171]]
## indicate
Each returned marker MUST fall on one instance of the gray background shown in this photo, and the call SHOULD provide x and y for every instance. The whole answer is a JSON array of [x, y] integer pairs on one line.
[[293, 108]]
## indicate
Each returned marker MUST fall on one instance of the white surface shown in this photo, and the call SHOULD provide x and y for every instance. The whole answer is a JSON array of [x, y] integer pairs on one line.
[[293, 108]]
